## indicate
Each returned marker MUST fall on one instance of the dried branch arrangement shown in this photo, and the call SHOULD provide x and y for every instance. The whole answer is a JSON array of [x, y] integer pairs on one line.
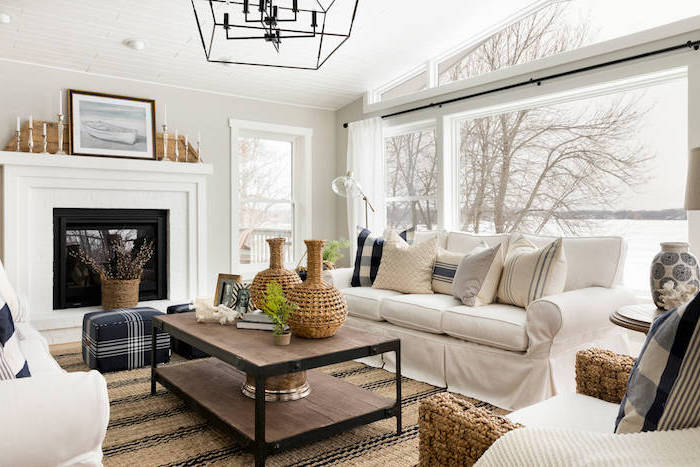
[[117, 262]]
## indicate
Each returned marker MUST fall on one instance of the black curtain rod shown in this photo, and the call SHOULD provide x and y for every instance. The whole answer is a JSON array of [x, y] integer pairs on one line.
[[538, 81]]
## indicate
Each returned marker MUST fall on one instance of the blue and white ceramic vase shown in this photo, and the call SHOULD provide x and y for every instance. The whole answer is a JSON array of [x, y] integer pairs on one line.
[[676, 264]]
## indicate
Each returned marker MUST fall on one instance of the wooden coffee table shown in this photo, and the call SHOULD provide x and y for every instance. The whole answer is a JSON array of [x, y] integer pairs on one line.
[[213, 386]]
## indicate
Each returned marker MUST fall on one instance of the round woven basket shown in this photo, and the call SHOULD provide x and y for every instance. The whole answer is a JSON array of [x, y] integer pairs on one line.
[[322, 308], [119, 293], [285, 278]]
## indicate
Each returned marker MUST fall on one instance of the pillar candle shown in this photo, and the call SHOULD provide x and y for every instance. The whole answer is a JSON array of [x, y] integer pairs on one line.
[[31, 123], [43, 132], [18, 128]]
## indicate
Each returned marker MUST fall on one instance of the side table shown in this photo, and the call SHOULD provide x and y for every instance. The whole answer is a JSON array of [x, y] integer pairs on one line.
[[636, 317]]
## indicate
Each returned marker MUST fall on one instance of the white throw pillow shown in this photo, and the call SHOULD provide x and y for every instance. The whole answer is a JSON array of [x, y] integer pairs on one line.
[[446, 265], [478, 275], [530, 273], [406, 268]]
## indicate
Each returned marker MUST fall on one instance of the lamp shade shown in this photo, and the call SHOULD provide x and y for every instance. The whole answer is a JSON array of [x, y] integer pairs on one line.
[[347, 187], [692, 189]]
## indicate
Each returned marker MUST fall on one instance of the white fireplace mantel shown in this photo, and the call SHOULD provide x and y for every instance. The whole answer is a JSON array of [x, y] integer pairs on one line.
[[33, 185]]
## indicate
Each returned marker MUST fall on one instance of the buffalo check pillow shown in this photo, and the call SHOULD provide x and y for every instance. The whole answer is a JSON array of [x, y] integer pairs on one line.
[[13, 364], [663, 391], [369, 254]]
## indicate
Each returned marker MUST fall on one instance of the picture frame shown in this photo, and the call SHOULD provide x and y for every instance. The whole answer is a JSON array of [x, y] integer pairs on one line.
[[226, 290], [109, 125]]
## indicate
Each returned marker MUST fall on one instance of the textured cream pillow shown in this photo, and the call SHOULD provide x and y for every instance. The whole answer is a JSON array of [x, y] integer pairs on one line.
[[406, 268], [530, 273]]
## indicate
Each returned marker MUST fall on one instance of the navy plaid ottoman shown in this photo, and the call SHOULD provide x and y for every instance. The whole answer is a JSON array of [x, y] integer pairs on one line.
[[181, 348], [121, 339]]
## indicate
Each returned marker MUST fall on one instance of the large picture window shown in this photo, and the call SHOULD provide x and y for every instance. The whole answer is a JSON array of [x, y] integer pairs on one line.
[[607, 165], [411, 179]]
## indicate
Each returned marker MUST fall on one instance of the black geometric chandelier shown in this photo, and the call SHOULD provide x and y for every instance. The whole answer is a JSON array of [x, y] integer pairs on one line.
[[300, 34]]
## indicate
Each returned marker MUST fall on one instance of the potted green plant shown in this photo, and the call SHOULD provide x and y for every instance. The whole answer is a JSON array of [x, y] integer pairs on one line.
[[278, 309], [331, 252]]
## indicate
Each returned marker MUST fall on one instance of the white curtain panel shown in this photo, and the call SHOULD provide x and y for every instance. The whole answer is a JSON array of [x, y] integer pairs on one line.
[[366, 161]]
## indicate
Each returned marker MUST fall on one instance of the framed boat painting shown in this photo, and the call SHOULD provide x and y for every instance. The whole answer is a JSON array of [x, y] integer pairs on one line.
[[112, 126]]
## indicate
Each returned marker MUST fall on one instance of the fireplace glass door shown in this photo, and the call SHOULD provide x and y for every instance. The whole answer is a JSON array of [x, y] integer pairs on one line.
[[93, 231]]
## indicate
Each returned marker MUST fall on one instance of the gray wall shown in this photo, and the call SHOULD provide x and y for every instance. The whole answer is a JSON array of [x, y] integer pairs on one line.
[[26, 89]]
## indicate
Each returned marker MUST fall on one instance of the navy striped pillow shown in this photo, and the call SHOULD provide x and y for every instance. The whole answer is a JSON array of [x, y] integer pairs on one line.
[[663, 392], [369, 255], [12, 362]]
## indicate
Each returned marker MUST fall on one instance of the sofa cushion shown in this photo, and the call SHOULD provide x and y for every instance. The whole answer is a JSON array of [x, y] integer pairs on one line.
[[369, 255], [663, 388], [445, 268], [463, 242], [363, 302], [496, 325], [13, 363], [530, 273], [407, 268], [477, 277], [569, 411], [591, 261], [417, 311]]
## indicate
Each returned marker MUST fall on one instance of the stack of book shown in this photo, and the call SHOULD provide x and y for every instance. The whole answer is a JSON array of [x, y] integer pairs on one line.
[[256, 320]]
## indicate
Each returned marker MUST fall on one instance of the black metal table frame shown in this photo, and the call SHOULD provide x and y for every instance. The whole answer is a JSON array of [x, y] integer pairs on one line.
[[261, 448]]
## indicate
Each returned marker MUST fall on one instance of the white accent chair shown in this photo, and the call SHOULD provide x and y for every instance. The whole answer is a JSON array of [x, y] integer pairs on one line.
[[53, 417]]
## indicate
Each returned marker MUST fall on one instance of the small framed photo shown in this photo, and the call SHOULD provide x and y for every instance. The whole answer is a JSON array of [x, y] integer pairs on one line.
[[226, 290], [112, 126]]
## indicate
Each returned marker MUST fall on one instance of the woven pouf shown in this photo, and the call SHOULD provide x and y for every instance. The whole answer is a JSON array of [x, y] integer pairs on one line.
[[322, 308], [118, 340], [285, 278]]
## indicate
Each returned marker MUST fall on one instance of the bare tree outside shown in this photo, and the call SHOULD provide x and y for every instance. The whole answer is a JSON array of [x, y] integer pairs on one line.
[[265, 195], [532, 170], [411, 179]]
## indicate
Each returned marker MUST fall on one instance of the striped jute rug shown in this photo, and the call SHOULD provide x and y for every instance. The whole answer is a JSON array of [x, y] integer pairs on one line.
[[149, 430]]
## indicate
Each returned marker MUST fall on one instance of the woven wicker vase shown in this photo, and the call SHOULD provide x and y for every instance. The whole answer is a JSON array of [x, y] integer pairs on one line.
[[284, 277], [119, 293], [322, 308]]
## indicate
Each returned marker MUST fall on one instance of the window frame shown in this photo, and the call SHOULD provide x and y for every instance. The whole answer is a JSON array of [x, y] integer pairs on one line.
[[301, 140], [391, 131]]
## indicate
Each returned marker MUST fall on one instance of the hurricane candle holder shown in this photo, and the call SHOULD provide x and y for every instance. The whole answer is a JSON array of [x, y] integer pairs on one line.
[[31, 139], [60, 150], [165, 142]]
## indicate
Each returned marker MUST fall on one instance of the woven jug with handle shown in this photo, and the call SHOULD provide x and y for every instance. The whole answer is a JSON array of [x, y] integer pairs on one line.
[[322, 308], [284, 277]]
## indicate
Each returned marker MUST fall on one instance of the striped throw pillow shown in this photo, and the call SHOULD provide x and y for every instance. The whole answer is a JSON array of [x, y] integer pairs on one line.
[[530, 273], [12, 362], [446, 265], [663, 391], [369, 255]]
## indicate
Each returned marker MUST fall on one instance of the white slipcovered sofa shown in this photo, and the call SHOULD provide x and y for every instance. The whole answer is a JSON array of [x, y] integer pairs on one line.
[[509, 356], [53, 417]]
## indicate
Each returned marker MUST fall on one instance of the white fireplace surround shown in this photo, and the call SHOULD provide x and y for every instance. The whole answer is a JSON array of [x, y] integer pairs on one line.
[[33, 185]]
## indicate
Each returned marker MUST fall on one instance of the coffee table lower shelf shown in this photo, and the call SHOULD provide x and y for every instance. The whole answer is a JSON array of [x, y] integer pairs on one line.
[[214, 388]]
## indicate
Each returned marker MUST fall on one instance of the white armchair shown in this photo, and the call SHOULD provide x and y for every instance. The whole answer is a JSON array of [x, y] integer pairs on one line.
[[53, 417]]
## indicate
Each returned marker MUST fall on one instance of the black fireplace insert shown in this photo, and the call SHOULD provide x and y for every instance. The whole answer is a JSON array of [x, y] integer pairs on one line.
[[75, 285]]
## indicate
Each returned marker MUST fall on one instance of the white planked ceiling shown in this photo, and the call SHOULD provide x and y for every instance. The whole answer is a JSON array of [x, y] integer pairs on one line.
[[390, 37]]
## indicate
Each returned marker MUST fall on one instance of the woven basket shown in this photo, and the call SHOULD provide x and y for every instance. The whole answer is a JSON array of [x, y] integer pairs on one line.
[[322, 308], [285, 278], [119, 293]]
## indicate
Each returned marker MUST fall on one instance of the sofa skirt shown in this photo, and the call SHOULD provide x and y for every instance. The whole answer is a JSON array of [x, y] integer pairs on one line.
[[507, 379]]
